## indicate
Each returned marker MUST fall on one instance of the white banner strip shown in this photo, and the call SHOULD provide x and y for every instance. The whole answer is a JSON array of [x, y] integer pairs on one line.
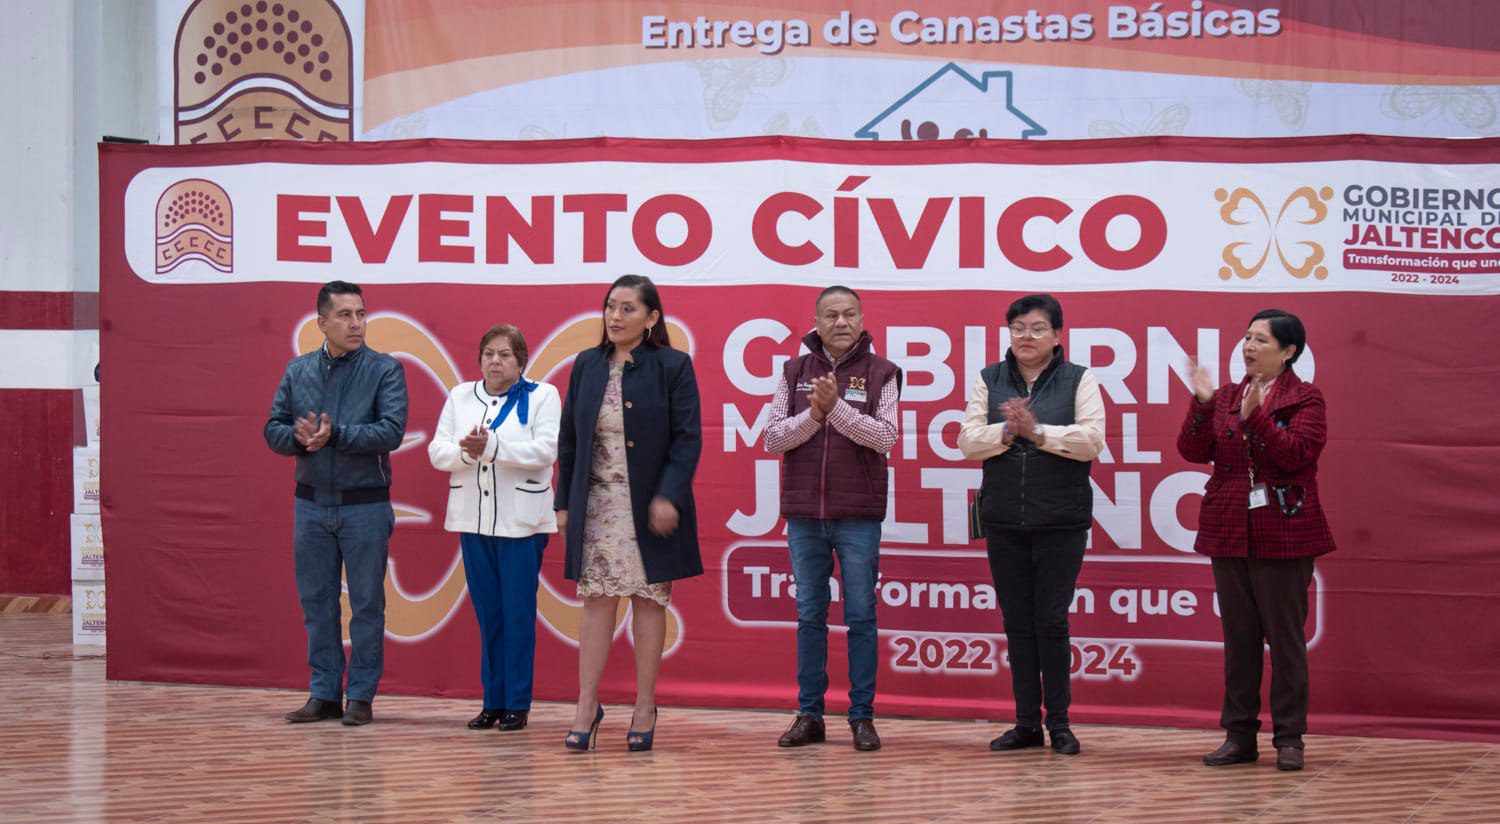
[[47, 358], [1346, 225]]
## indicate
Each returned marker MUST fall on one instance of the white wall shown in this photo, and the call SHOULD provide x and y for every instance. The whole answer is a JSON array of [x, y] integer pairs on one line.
[[36, 137], [71, 71]]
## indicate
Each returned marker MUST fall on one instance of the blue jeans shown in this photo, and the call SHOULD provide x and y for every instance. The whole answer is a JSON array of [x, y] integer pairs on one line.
[[813, 544], [502, 575], [356, 537]]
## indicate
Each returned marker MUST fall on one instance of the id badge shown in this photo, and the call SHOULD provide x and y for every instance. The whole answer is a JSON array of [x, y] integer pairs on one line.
[[855, 395], [1258, 496]]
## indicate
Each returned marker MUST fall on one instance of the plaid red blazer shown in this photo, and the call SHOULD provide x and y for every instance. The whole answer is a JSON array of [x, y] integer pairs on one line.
[[1283, 439]]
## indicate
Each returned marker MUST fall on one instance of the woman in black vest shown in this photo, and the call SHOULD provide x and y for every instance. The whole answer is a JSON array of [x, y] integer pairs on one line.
[[627, 451], [1037, 421]]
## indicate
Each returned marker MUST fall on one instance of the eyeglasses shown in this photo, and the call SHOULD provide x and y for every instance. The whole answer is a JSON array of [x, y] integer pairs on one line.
[[1019, 331]]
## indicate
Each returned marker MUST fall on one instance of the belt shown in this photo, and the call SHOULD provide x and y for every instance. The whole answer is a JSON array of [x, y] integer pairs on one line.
[[349, 497]]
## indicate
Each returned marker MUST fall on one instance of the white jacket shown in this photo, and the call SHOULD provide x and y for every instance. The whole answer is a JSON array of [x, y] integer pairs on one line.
[[507, 491]]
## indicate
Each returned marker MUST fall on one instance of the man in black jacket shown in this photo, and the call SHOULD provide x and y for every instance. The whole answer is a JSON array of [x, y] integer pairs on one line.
[[341, 410]]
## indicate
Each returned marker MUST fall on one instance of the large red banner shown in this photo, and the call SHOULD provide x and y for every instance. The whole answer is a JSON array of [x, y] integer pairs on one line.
[[1158, 250]]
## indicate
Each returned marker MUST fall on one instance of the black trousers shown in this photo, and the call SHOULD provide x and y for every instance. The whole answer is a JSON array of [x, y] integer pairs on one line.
[[1264, 602], [1034, 572]]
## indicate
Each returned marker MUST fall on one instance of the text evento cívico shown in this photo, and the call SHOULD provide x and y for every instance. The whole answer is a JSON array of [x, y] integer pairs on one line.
[[789, 228]]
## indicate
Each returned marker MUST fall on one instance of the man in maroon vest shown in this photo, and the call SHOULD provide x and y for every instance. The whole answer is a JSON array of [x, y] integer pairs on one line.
[[834, 418]]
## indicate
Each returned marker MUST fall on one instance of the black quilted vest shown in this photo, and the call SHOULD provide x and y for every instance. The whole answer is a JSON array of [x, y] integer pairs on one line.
[[1025, 487]]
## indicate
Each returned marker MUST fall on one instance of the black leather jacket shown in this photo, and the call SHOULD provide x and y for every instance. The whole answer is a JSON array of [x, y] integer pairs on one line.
[[364, 394]]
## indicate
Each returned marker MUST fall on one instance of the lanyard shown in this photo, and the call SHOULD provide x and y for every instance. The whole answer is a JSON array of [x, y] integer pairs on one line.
[[1249, 450]]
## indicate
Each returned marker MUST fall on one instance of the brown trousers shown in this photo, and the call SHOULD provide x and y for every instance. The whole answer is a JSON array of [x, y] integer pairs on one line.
[[1264, 602]]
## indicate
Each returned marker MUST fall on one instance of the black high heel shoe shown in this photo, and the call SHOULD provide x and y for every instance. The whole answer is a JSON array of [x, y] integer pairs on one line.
[[641, 741], [585, 741], [485, 719]]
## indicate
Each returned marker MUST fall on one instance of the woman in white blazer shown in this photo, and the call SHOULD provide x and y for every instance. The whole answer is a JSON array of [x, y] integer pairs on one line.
[[498, 438]]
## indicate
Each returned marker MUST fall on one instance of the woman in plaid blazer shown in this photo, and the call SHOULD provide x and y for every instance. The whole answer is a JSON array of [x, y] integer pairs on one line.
[[1262, 525]]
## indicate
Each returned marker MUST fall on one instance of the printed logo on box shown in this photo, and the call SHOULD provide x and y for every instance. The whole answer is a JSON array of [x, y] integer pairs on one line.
[[91, 412], [93, 546], [88, 613], [87, 547], [86, 477]]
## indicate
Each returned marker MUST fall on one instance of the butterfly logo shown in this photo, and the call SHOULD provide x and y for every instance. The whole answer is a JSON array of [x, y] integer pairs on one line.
[[727, 84], [781, 123], [1171, 120], [1468, 106], [1305, 206], [412, 617], [1288, 98]]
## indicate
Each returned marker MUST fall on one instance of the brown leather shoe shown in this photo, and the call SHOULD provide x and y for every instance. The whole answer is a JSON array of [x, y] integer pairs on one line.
[[316, 709], [357, 713], [1231, 752], [865, 737], [1289, 759], [803, 731]]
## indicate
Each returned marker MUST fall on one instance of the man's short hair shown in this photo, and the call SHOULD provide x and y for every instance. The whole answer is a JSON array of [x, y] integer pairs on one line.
[[838, 290], [336, 287]]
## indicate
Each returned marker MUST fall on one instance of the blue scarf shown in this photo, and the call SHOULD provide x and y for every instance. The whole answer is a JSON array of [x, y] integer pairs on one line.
[[516, 397]]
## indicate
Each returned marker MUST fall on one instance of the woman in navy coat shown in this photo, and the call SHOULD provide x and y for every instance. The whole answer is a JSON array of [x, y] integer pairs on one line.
[[628, 448]]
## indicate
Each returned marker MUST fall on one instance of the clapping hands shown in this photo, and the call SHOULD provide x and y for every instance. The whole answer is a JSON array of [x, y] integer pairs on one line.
[[1020, 419], [1201, 382], [1255, 395], [825, 393], [473, 444], [312, 431]]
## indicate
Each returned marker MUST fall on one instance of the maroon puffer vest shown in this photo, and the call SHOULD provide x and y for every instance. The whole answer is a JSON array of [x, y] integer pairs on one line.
[[830, 476]]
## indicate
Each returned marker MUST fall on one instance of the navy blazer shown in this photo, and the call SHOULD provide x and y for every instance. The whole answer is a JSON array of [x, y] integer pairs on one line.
[[664, 437]]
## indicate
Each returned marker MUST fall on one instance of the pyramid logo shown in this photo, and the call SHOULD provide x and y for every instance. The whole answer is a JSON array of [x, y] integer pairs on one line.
[[194, 221], [264, 70]]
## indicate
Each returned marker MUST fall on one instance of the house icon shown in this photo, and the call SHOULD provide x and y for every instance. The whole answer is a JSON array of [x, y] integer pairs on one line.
[[953, 103]]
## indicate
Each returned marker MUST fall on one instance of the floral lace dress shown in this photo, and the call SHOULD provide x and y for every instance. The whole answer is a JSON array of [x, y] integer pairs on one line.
[[611, 557]]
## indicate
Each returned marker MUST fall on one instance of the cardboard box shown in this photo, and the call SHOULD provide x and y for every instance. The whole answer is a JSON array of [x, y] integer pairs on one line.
[[88, 547], [88, 612], [91, 415], [86, 479]]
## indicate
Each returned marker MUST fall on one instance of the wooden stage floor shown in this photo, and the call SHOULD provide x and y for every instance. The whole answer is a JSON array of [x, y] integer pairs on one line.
[[75, 748]]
